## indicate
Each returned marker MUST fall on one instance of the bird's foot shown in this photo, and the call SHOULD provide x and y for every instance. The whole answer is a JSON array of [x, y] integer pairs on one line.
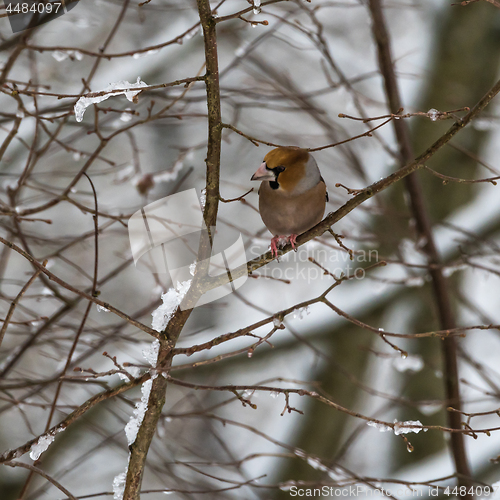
[[292, 239], [275, 243], [280, 241]]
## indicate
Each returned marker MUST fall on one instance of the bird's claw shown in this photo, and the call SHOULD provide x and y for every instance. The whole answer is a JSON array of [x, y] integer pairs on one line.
[[274, 245], [276, 240]]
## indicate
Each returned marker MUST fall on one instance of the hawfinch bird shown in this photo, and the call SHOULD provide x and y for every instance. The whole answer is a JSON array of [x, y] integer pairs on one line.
[[292, 195]]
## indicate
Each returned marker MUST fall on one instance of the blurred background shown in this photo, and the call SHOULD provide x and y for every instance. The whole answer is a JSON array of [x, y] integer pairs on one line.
[[285, 83]]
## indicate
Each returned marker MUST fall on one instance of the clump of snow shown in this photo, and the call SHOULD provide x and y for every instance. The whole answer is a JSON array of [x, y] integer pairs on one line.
[[448, 271], [138, 55], [102, 309], [171, 301], [151, 353], [35, 324], [43, 443], [316, 464], [402, 427], [287, 486], [126, 117], [399, 427], [192, 268], [61, 55], [410, 253], [133, 371], [84, 102], [415, 281], [132, 428], [124, 174], [119, 485], [412, 363], [430, 408], [203, 198], [380, 427], [299, 313], [170, 175]]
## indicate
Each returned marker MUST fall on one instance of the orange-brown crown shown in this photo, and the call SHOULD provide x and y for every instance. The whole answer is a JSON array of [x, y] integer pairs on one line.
[[293, 160]]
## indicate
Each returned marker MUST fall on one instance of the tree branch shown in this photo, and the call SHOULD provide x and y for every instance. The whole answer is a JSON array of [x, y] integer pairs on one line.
[[424, 227]]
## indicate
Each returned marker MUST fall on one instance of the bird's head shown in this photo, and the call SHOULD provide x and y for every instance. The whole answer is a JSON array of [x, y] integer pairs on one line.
[[288, 169]]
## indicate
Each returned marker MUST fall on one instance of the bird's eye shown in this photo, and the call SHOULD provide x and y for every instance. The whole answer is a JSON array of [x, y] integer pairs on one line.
[[278, 169]]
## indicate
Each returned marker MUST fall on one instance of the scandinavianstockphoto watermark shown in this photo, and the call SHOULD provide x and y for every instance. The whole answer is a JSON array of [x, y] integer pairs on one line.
[[297, 265], [26, 14], [165, 234]]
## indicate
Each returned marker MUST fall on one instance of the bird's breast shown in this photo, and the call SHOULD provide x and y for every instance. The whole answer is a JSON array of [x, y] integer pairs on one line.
[[286, 214]]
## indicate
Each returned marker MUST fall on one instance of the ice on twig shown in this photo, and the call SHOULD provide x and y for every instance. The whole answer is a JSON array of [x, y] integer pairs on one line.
[[125, 116], [192, 268], [448, 271], [43, 443], [415, 281], [277, 322], [170, 175], [171, 301], [316, 464], [380, 427], [287, 486], [84, 102], [119, 485], [299, 313], [403, 427], [61, 55], [102, 309], [151, 353], [138, 55], [35, 324], [433, 114], [256, 7], [203, 198], [399, 427]]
